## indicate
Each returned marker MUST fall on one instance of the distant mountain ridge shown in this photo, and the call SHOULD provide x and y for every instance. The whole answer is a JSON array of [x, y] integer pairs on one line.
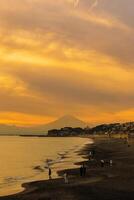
[[68, 121], [65, 121]]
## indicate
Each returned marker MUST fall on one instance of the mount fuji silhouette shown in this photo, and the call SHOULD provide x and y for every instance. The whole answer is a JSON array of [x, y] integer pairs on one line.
[[65, 121]]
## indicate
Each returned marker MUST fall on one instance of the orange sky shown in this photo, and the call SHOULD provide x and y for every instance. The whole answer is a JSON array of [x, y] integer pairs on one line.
[[66, 57]]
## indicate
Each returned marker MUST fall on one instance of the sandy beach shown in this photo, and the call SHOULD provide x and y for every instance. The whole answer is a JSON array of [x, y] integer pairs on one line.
[[100, 183]]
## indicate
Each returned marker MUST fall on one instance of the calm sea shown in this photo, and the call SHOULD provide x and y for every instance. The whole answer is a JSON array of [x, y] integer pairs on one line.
[[24, 159]]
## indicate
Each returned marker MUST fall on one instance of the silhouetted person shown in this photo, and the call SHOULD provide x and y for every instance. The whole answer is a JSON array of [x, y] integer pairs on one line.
[[90, 155], [128, 144], [49, 173], [84, 170], [93, 153], [65, 178], [81, 171], [111, 163], [102, 163]]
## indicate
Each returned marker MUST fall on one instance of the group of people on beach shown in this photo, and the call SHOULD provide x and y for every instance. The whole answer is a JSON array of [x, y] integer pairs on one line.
[[83, 168], [65, 176], [103, 162]]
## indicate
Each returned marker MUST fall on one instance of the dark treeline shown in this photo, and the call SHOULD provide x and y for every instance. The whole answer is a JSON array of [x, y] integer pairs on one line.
[[100, 129]]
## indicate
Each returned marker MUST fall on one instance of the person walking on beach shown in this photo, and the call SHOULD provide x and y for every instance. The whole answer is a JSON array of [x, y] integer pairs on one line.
[[93, 153], [81, 171], [90, 155], [65, 178], [102, 163], [128, 144], [49, 173], [111, 163], [84, 170]]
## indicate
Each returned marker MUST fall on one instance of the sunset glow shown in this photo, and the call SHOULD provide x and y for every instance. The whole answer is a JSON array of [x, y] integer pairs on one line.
[[66, 57]]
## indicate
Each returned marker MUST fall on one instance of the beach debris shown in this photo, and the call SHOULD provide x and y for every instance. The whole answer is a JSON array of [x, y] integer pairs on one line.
[[49, 162], [62, 155], [38, 168]]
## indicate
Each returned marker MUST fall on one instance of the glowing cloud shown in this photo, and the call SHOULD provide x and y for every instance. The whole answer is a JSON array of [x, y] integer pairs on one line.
[[94, 5], [74, 2], [57, 60]]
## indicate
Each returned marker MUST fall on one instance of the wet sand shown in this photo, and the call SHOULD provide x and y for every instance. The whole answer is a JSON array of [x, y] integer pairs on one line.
[[107, 183]]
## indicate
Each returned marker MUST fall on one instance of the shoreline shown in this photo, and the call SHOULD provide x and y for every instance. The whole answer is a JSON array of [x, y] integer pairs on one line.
[[63, 159], [110, 183]]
